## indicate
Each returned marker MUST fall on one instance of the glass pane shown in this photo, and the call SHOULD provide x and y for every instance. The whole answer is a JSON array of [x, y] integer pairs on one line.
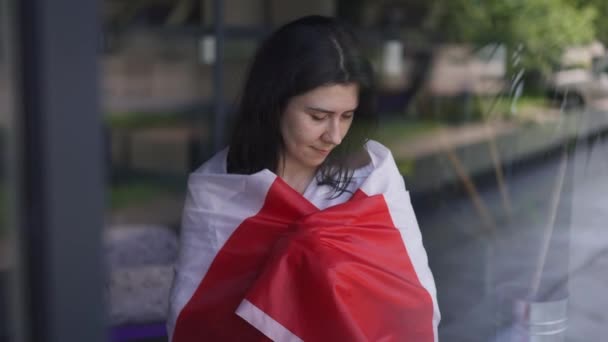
[[157, 89], [497, 125], [495, 114]]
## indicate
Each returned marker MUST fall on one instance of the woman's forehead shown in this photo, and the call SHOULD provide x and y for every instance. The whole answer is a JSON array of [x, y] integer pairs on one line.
[[331, 97]]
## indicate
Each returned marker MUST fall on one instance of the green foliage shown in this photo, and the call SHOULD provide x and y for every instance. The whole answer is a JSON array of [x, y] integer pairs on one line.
[[140, 120], [556, 26], [399, 129], [406, 167], [600, 22], [542, 28]]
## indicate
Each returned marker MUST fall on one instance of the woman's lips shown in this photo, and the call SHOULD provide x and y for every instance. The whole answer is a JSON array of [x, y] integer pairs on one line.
[[321, 151]]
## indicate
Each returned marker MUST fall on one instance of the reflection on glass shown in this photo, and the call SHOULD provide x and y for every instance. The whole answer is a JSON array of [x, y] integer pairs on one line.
[[156, 81], [495, 113], [493, 174]]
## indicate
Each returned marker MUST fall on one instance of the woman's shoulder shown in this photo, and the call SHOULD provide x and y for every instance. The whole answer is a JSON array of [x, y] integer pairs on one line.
[[376, 147], [379, 154], [385, 175], [213, 175]]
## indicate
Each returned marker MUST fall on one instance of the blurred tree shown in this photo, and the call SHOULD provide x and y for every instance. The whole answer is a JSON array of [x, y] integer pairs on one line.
[[542, 28], [600, 22], [534, 32]]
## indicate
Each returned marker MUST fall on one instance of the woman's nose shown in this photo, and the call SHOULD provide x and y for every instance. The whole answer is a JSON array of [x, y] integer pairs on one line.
[[333, 133]]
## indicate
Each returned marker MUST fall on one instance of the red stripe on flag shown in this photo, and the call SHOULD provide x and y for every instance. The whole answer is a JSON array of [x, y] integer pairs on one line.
[[340, 274], [210, 313], [345, 275]]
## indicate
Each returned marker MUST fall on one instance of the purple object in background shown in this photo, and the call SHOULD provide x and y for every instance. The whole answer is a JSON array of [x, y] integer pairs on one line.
[[137, 332]]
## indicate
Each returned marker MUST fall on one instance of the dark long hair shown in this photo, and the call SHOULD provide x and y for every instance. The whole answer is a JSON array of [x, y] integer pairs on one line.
[[300, 56]]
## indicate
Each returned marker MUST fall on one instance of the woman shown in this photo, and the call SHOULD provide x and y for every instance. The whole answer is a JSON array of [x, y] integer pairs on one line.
[[302, 230]]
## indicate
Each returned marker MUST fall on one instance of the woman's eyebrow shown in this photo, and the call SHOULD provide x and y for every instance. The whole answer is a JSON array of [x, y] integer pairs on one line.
[[326, 111]]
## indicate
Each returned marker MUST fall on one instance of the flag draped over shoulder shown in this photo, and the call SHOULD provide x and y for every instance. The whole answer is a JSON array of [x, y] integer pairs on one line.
[[259, 261]]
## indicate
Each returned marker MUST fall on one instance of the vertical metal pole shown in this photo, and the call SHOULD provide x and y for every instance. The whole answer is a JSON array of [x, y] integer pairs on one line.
[[60, 170], [12, 289], [218, 76]]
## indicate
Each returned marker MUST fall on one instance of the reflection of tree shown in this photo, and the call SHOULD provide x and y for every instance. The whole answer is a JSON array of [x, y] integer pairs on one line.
[[600, 22], [542, 27]]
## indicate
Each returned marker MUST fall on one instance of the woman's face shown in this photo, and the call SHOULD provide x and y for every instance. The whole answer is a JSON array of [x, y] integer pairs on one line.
[[315, 122]]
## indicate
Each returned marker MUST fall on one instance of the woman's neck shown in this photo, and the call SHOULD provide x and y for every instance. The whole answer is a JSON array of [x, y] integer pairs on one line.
[[297, 178]]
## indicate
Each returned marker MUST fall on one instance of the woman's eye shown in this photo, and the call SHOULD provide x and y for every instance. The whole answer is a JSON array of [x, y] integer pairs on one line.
[[347, 116], [317, 117]]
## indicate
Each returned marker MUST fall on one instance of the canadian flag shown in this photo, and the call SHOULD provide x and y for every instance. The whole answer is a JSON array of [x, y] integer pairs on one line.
[[259, 261]]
